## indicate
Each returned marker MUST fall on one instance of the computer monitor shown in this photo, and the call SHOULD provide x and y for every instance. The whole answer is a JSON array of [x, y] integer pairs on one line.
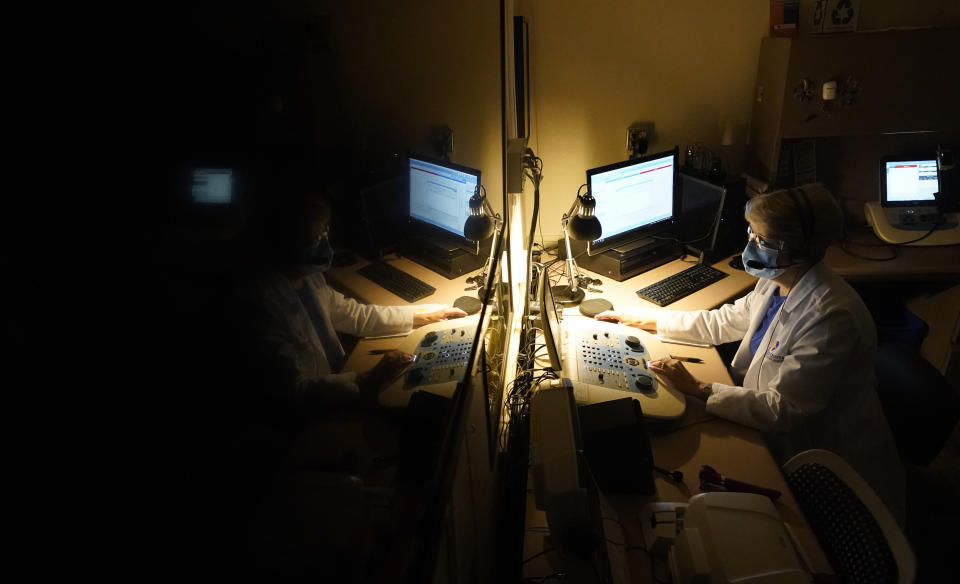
[[909, 181], [702, 205], [439, 197], [212, 186], [635, 200], [550, 320]]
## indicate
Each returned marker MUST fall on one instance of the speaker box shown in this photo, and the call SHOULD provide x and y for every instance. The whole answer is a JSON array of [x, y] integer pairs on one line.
[[616, 446]]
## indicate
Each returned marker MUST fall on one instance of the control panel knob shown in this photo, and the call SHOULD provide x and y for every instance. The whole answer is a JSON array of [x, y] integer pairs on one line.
[[633, 343], [632, 361], [643, 383], [428, 339]]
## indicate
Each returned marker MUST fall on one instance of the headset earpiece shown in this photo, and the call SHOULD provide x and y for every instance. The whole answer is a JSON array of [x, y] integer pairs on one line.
[[805, 211]]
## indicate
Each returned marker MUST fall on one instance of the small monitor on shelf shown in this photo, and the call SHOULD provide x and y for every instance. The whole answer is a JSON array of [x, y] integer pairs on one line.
[[212, 186], [439, 198], [636, 199]]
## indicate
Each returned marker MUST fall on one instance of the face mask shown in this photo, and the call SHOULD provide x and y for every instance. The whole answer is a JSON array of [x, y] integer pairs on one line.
[[319, 255], [765, 261]]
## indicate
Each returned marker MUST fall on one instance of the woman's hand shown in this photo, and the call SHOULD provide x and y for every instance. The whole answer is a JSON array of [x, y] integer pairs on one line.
[[422, 318], [641, 318], [677, 376], [390, 366]]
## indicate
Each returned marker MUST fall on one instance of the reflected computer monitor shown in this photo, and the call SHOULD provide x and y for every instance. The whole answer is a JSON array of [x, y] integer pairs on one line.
[[636, 199], [212, 186], [439, 202]]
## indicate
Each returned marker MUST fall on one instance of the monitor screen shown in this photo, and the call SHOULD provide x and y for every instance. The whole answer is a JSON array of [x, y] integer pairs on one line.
[[635, 199], [212, 185], [440, 193], [907, 182], [550, 320]]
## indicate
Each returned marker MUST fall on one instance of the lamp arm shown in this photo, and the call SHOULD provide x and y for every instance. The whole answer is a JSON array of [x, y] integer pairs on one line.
[[497, 225], [571, 267]]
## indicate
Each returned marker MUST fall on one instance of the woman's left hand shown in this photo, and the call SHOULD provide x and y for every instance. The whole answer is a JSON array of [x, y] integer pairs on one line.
[[677, 376], [422, 318]]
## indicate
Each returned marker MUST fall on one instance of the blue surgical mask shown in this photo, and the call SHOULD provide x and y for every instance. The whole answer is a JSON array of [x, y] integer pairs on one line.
[[769, 258], [319, 255]]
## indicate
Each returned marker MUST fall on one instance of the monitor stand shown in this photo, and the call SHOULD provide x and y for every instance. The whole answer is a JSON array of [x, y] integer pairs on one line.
[[946, 233]]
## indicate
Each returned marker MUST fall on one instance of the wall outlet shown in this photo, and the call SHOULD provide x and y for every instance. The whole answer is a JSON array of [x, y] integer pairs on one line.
[[638, 136]]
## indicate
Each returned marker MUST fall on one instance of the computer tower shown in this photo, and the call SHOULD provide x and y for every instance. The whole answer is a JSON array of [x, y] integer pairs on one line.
[[449, 263], [620, 266]]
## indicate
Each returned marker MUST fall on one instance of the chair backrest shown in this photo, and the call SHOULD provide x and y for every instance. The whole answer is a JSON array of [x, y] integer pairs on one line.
[[918, 402], [858, 534]]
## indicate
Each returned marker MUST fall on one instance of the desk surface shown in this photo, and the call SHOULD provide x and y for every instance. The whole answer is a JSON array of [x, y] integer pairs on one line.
[[911, 262], [348, 281], [696, 439], [623, 294]]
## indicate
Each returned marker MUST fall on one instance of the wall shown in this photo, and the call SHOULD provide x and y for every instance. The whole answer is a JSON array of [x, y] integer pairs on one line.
[[689, 67], [406, 69], [882, 14]]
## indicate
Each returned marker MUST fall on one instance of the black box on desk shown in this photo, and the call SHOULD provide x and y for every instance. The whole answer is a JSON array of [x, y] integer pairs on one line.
[[616, 446], [621, 266], [450, 263]]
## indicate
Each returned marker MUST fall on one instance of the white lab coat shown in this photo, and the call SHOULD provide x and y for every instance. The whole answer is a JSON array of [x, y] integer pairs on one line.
[[811, 383], [299, 358]]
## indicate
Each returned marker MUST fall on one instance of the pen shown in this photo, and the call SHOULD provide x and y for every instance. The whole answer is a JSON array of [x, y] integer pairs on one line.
[[687, 359]]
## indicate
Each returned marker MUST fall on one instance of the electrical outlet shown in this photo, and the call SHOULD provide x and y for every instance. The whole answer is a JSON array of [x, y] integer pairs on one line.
[[639, 134]]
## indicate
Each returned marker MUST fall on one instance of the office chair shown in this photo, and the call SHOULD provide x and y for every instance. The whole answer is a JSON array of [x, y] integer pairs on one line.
[[859, 535], [918, 402]]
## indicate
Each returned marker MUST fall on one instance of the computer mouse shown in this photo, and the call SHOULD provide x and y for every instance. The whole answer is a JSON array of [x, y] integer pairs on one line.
[[736, 262]]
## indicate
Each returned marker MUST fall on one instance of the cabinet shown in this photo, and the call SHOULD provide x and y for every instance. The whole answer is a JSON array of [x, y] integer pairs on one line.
[[899, 82]]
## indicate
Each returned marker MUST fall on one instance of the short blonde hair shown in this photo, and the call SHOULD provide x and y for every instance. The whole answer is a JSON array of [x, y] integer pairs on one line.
[[807, 219]]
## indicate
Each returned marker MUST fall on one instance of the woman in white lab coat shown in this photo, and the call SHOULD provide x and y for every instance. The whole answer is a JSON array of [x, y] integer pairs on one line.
[[300, 314], [803, 373]]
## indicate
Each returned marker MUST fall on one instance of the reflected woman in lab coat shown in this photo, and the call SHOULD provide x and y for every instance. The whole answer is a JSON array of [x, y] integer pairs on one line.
[[300, 314], [803, 373]]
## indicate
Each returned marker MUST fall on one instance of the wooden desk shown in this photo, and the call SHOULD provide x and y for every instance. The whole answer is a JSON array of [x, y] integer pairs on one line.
[[937, 262], [623, 294], [347, 280]]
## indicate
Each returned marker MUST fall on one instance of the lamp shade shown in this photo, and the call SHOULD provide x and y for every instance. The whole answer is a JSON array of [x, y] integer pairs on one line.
[[584, 226], [478, 227]]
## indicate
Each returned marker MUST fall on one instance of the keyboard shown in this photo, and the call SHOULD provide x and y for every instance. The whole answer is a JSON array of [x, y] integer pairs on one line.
[[397, 281], [681, 284]]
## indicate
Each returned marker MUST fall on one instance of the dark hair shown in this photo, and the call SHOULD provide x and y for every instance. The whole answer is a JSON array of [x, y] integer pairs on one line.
[[288, 223]]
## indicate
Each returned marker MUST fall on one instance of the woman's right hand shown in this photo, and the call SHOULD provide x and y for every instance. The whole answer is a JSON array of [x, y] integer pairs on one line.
[[390, 366], [641, 318]]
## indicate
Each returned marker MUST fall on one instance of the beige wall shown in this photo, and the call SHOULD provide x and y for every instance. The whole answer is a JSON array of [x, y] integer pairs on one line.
[[688, 66], [409, 67]]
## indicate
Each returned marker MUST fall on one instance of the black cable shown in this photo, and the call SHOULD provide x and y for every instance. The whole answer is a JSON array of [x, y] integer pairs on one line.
[[537, 555]]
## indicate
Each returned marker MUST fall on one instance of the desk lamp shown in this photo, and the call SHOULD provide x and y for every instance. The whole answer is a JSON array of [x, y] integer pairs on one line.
[[481, 224], [581, 224]]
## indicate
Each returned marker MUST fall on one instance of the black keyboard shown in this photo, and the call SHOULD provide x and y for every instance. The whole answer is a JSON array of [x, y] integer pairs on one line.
[[685, 283], [397, 281]]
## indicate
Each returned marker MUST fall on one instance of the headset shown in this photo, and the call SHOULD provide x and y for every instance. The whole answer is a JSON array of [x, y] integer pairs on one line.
[[805, 211]]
